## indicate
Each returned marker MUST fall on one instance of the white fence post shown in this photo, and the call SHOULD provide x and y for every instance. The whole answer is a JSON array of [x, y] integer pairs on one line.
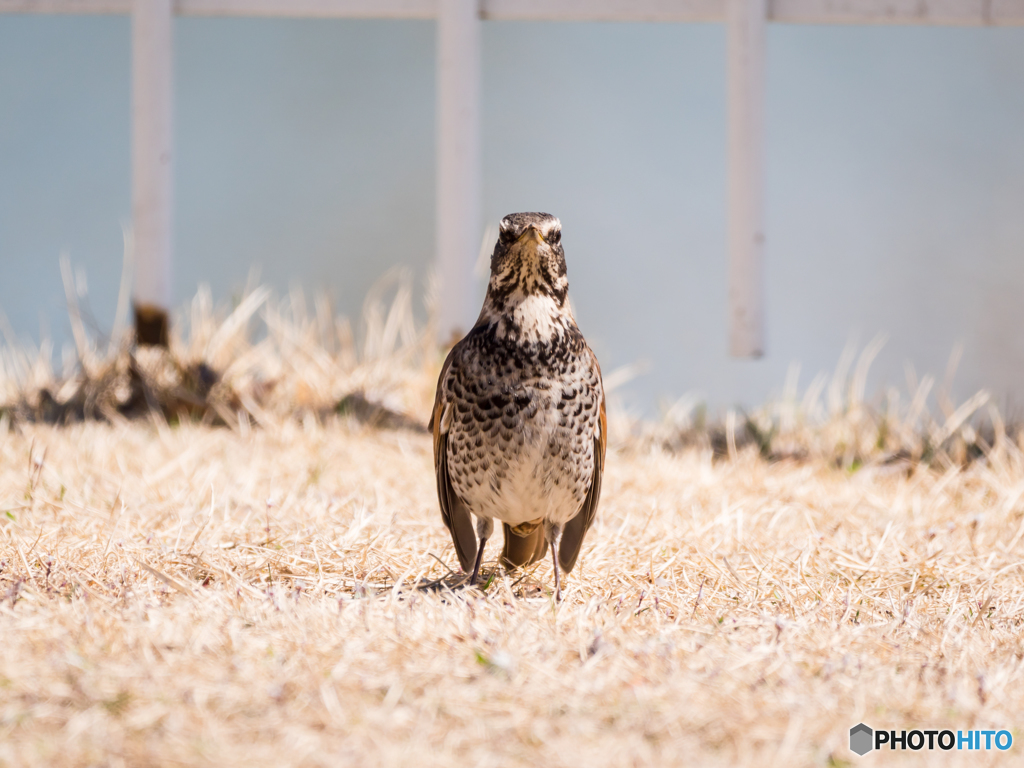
[[745, 49], [458, 162], [152, 119]]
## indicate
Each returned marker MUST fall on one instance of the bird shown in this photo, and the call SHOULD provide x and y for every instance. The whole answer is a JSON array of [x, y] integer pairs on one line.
[[519, 425]]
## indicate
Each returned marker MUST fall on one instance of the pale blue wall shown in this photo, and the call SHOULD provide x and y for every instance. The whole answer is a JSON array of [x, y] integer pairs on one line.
[[895, 179]]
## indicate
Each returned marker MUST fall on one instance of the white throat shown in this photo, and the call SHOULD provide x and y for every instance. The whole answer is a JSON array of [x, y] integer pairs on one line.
[[532, 318]]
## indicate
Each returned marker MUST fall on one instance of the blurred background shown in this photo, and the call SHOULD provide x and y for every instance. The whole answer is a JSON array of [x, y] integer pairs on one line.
[[895, 181]]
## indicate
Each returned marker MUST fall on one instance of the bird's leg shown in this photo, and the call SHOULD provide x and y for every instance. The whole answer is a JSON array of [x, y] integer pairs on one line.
[[554, 535], [484, 529]]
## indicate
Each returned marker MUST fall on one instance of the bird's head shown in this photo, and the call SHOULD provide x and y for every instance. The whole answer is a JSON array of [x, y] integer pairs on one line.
[[528, 259], [528, 293]]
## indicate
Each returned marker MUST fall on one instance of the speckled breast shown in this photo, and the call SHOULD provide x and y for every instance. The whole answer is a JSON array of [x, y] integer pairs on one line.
[[521, 442]]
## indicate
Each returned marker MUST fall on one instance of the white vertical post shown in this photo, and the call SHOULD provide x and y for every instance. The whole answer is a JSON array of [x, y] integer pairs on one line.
[[745, 49], [458, 162], [151, 166]]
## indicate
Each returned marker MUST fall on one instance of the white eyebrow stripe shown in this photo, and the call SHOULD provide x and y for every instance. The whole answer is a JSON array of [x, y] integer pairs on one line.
[[555, 225]]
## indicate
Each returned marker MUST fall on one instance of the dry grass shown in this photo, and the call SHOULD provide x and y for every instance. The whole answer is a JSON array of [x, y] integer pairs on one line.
[[263, 361], [173, 592]]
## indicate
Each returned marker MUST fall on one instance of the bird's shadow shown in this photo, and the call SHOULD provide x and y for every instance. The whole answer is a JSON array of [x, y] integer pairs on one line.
[[524, 585]]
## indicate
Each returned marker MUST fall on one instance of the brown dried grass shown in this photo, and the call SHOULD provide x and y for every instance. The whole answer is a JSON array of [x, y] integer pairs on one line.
[[173, 592], [265, 360]]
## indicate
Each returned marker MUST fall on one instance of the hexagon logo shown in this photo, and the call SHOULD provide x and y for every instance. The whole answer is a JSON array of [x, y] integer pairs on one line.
[[861, 739]]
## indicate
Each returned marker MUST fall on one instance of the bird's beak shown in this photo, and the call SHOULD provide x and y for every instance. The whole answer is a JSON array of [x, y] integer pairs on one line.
[[533, 233]]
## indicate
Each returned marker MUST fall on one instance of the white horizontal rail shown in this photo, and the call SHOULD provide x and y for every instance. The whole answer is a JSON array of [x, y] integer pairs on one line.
[[312, 9], [604, 10], [940, 12], [937, 12], [65, 6]]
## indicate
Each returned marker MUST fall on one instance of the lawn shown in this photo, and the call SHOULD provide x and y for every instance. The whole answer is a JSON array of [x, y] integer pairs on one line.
[[278, 589], [199, 595]]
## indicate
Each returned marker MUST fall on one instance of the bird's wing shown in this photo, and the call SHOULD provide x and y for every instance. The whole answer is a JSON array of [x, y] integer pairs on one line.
[[576, 529], [454, 512]]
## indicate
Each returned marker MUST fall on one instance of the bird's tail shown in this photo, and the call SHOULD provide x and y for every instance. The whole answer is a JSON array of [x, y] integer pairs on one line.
[[523, 550]]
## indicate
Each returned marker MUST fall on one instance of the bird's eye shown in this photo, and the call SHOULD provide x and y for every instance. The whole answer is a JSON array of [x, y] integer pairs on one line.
[[554, 236]]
